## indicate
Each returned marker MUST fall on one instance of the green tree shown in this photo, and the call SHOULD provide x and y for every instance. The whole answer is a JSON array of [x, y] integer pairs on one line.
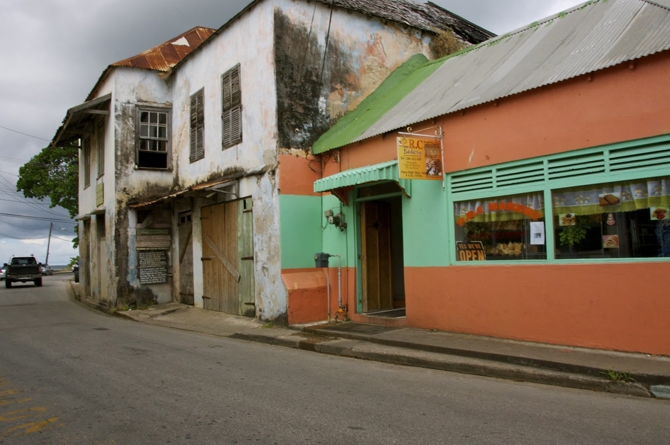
[[53, 174]]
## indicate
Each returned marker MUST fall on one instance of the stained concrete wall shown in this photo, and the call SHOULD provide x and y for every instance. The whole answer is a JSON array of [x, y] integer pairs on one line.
[[249, 43], [328, 62]]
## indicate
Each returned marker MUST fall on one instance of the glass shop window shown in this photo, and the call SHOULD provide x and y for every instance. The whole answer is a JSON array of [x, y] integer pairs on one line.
[[616, 220], [506, 228]]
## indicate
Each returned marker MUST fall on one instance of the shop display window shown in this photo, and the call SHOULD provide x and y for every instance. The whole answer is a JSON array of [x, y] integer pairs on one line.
[[615, 220], [504, 228]]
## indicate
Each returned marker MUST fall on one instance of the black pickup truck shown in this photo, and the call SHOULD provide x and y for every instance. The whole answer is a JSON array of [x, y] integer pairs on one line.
[[23, 269]]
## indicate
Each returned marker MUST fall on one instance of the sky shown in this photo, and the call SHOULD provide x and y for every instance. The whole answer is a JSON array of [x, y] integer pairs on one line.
[[52, 52]]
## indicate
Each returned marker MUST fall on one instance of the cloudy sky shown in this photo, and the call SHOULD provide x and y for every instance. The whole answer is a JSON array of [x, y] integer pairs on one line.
[[53, 52]]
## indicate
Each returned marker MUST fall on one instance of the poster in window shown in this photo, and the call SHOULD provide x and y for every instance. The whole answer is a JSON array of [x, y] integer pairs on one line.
[[610, 241], [470, 251], [659, 213], [537, 233], [567, 219], [609, 199], [419, 158]]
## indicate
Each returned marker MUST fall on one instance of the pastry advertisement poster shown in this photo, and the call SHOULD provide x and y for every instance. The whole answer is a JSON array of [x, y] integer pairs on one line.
[[419, 158], [537, 233], [610, 241], [567, 219], [659, 213], [609, 199]]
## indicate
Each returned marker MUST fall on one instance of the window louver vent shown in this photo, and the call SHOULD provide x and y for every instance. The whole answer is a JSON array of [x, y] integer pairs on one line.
[[576, 166], [588, 163], [524, 174], [636, 158], [482, 180]]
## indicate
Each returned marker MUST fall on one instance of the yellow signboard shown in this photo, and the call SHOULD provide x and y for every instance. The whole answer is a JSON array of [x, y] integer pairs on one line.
[[419, 158]]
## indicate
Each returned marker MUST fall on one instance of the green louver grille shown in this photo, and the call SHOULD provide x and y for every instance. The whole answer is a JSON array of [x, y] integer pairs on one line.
[[565, 166]]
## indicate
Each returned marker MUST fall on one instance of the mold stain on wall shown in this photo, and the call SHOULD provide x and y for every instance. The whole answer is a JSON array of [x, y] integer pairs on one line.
[[318, 85]]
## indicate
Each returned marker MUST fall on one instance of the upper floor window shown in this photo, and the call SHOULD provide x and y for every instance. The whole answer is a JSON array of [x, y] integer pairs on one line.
[[153, 144], [197, 126], [232, 107]]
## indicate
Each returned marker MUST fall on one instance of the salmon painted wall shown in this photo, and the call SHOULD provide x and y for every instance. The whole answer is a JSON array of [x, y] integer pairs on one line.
[[606, 306], [625, 102], [616, 306], [304, 232]]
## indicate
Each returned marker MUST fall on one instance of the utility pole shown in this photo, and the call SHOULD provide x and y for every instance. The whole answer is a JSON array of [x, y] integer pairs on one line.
[[51, 226]]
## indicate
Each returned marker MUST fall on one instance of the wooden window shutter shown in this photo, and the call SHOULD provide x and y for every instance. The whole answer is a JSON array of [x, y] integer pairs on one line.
[[236, 92], [236, 125], [227, 92], [194, 121], [231, 115], [227, 134], [197, 135]]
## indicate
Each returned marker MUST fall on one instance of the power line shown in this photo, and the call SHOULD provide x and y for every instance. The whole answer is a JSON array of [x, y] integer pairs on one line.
[[37, 218], [25, 134]]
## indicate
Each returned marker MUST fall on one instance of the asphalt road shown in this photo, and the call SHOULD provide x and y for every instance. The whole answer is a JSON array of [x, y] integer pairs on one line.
[[70, 375]]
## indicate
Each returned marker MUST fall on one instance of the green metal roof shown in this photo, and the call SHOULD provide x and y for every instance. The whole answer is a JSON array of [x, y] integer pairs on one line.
[[401, 81], [386, 171]]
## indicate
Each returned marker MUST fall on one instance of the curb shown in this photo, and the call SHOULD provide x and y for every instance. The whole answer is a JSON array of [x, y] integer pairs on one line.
[[453, 363], [397, 353]]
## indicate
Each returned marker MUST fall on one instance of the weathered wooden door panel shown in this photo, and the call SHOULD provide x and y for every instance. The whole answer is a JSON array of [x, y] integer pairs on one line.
[[376, 256], [185, 259], [230, 303], [246, 259], [228, 258], [212, 285]]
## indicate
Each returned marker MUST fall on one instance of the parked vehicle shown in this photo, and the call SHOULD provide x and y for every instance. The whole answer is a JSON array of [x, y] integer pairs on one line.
[[47, 270], [23, 269]]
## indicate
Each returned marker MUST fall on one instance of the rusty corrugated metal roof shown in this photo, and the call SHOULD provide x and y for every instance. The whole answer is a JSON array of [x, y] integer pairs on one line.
[[161, 58], [165, 56], [587, 38]]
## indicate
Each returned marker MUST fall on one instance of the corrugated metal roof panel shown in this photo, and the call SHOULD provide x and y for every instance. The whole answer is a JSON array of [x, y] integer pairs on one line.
[[166, 55], [584, 39]]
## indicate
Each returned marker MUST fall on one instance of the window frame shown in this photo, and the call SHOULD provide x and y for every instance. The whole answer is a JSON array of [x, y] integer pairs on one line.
[[231, 108], [547, 186], [197, 126], [168, 136]]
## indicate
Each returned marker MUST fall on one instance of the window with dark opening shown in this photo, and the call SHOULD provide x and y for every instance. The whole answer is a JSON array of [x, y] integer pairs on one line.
[[153, 145]]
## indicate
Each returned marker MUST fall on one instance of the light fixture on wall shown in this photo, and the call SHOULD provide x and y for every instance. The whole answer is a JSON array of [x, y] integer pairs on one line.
[[336, 220]]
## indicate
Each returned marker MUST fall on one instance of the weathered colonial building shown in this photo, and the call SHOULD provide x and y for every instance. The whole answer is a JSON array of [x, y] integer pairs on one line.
[[182, 147], [551, 222]]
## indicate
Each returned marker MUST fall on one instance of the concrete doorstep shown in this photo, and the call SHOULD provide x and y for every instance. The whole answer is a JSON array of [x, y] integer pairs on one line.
[[620, 373]]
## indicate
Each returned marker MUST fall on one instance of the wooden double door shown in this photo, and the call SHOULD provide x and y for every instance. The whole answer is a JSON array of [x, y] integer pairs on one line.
[[228, 258]]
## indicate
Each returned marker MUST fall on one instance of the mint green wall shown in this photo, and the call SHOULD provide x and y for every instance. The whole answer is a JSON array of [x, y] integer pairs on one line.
[[336, 242], [300, 219], [425, 226]]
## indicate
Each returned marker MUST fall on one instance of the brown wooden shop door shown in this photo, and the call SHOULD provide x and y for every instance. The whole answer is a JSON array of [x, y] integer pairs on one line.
[[228, 262], [376, 256]]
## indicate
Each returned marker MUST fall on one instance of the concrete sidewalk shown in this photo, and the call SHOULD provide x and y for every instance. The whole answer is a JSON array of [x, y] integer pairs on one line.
[[622, 373]]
